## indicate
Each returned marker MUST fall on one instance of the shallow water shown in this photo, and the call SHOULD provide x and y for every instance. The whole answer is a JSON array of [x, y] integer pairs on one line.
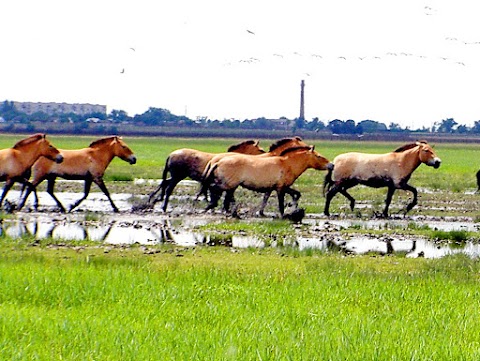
[[127, 227]]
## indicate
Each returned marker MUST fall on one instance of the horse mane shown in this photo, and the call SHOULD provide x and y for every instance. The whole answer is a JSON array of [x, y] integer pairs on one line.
[[409, 146], [31, 139], [294, 149], [101, 141], [281, 142], [234, 147]]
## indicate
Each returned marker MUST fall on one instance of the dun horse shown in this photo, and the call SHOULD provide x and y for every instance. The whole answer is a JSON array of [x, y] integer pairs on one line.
[[15, 162], [392, 170], [275, 149], [183, 163], [88, 164], [261, 174]]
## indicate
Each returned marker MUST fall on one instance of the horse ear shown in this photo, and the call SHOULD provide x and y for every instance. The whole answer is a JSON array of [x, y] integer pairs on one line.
[[256, 143], [312, 148]]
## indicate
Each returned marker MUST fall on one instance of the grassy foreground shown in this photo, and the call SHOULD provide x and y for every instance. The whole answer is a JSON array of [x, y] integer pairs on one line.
[[215, 304]]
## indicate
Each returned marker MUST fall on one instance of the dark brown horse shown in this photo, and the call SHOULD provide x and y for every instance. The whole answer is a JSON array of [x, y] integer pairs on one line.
[[88, 164], [261, 174], [392, 170], [186, 162], [15, 162]]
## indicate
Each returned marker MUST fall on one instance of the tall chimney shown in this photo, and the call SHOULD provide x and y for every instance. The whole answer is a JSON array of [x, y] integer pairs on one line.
[[302, 100]]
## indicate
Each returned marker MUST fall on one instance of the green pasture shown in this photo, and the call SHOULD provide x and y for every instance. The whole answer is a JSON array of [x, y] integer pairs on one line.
[[211, 304], [460, 161]]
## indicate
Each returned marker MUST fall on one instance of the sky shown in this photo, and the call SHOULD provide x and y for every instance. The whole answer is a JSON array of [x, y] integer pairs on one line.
[[410, 62]]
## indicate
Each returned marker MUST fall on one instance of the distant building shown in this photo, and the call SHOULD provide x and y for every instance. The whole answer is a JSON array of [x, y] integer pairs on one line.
[[59, 108]]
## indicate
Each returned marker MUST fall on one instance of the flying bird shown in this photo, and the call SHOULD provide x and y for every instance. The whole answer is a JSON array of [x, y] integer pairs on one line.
[[250, 32], [122, 71]]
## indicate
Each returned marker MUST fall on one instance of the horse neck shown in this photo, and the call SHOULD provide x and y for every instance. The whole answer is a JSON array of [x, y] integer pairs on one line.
[[28, 156], [297, 164], [103, 155], [411, 159]]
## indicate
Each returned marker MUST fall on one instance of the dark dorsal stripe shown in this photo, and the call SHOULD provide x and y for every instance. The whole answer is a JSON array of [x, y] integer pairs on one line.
[[294, 149], [26, 141], [235, 147], [101, 141], [281, 142], [409, 146]]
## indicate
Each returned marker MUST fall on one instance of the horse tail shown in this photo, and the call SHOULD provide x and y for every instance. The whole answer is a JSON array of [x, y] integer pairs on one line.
[[165, 171], [327, 182], [207, 178]]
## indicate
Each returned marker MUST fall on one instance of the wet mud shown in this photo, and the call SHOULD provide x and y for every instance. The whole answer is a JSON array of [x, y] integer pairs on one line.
[[137, 224]]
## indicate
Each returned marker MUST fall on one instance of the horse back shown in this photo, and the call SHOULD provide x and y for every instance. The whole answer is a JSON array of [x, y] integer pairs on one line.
[[365, 166], [76, 164], [188, 163], [250, 171]]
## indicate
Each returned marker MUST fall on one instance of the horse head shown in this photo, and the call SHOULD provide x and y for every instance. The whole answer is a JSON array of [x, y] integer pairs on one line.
[[427, 155], [312, 158], [46, 149], [122, 150]]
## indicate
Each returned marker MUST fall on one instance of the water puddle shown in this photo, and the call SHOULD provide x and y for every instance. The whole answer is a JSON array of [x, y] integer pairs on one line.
[[164, 231]]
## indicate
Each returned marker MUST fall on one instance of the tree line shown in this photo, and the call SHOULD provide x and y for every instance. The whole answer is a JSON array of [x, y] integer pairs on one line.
[[163, 117]]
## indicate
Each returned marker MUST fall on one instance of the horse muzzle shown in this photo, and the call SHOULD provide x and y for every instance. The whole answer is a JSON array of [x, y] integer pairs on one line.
[[132, 159], [59, 158], [436, 163]]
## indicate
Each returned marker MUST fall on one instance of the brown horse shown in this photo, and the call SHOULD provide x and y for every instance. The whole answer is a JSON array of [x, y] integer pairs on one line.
[[86, 164], [15, 162], [275, 149], [261, 174], [183, 163], [392, 170]]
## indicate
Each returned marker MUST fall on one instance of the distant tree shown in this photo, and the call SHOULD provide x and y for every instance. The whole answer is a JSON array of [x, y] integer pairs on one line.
[[446, 125], [371, 126], [395, 127], [476, 127], [462, 129], [119, 116]]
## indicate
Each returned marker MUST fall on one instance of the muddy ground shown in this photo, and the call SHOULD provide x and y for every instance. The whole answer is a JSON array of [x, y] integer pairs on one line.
[[135, 223]]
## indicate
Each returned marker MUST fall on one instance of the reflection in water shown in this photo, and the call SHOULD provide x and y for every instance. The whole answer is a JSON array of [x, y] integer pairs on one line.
[[164, 232]]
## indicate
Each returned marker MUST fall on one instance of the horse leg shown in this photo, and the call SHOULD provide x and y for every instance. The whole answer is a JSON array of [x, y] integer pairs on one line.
[[152, 198], [172, 183], [266, 195], [414, 200], [88, 184], [28, 188], [295, 196], [50, 187], [328, 198], [215, 194], [388, 200], [281, 201], [99, 182], [8, 184], [478, 181], [349, 197], [229, 201]]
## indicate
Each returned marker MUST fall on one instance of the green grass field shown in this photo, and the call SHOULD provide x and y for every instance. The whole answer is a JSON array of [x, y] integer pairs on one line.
[[212, 304]]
